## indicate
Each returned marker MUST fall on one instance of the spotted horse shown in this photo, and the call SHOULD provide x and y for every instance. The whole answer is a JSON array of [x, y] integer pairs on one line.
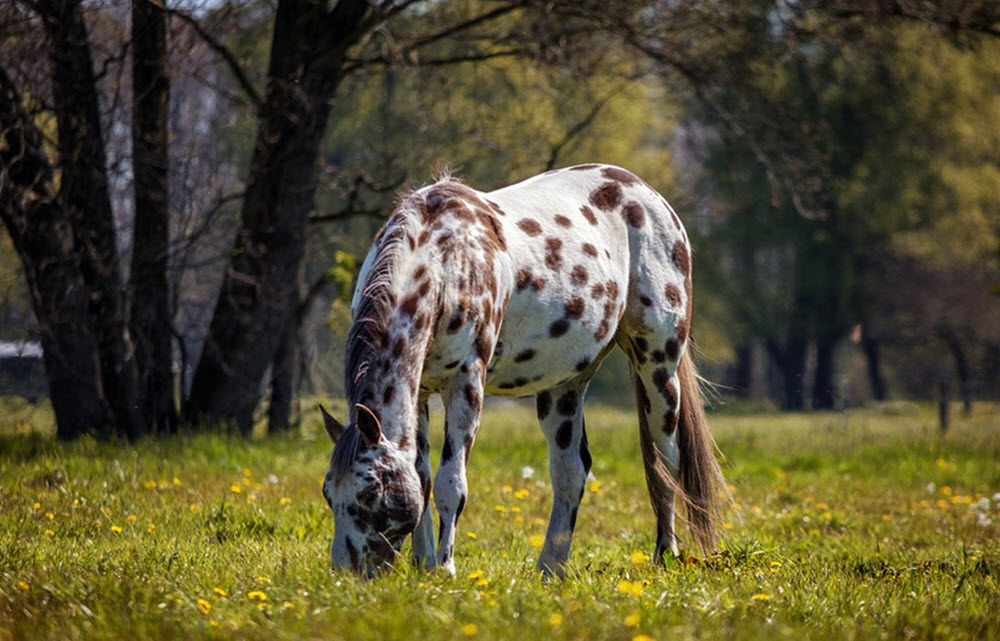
[[519, 291]]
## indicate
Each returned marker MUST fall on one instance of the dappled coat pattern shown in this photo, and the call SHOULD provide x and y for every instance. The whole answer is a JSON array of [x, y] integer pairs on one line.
[[519, 291]]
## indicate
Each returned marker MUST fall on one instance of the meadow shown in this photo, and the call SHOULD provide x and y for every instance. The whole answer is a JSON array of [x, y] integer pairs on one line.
[[862, 524]]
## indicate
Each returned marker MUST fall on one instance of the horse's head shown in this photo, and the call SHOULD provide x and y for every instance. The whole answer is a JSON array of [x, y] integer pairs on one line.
[[374, 491]]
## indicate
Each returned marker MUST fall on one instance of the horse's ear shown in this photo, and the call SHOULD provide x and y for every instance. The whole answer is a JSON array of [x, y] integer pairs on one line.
[[368, 425], [333, 427]]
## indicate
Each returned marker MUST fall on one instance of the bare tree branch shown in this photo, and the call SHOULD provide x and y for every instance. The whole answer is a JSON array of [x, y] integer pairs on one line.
[[225, 53], [577, 129]]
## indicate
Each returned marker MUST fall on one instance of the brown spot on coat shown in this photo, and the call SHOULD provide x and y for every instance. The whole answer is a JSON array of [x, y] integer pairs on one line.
[[607, 196], [673, 295], [473, 398], [398, 346], [584, 167], [682, 328], [590, 250], [419, 272], [543, 403], [559, 328], [634, 214], [564, 434], [387, 394], [646, 301], [553, 252], [602, 330], [526, 355], [410, 303], [588, 213], [622, 176], [575, 307], [579, 275], [562, 221], [681, 257], [529, 226], [597, 291], [672, 348], [522, 279], [566, 405]]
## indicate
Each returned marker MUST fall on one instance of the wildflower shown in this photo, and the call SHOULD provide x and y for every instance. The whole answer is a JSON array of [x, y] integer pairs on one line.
[[638, 557], [24, 587], [219, 591], [37, 505], [594, 487], [257, 595], [760, 596], [262, 579], [555, 619], [475, 574], [117, 529], [246, 471], [632, 620], [643, 637], [499, 508], [287, 605], [213, 623], [203, 606], [514, 509], [149, 485], [131, 517], [482, 582], [471, 535], [507, 489], [521, 494], [246, 482], [536, 540], [176, 482], [946, 490], [941, 503], [527, 472], [50, 516], [634, 588], [775, 566], [470, 629], [235, 488], [285, 501], [151, 528]]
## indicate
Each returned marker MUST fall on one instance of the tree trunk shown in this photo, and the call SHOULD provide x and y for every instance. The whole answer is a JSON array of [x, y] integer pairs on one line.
[[744, 371], [961, 369], [83, 189], [284, 378], [793, 370], [150, 291], [43, 239], [873, 358], [257, 299], [824, 392]]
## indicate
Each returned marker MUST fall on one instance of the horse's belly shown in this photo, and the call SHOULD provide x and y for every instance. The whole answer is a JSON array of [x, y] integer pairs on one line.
[[542, 344]]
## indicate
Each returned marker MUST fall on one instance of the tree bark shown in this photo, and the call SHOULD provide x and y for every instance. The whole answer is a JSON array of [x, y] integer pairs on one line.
[[284, 378], [151, 316], [961, 368], [84, 195], [824, 388], [873, 357], [257, 297], [44, 241]]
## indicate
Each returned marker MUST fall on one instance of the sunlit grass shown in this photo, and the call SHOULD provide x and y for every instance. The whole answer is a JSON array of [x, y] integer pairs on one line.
[[864, 524]]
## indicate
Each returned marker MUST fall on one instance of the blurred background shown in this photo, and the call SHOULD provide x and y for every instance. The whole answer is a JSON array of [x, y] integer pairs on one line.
[[188, 189]]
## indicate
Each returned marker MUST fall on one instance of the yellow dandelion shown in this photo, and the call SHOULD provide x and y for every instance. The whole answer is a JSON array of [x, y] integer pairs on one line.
[[475, 574], [262, 579], [285, 500], [246, 471], [728, 525], [149, 485], [257, 595], [49, 533], [469, 629], [235, 488], [219, 591], [203, 606], [643, 637], [471, 535], [482, 582], [941, 503], [117, 529], [536, 540], [521, 494], [246, 482], [515, 509], [22, 586], [760, 596], [176, 481], [76, 502], [499, 508], [50, 516], [886, 518], [213, 623], [555, 619], [632, 620], [507, 488], [638, 557], [151, 528], [946, 490], [37, 505], [595, 487], [131, 517], [287, 605], [630, 587]]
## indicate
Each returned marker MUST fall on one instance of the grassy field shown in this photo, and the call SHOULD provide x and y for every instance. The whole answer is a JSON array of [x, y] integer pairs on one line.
[[856, 525]]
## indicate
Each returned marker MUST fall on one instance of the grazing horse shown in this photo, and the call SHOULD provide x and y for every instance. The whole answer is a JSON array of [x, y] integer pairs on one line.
[[519, 291]]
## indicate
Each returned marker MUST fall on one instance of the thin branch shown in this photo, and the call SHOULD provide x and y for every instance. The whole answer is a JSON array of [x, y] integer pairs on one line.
[[225, 53]]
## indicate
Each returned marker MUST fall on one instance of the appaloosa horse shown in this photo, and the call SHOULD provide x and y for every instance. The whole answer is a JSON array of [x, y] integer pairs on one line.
[[519, 291]]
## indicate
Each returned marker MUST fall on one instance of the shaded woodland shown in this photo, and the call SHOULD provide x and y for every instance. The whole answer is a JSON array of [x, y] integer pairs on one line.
[[187, 189]]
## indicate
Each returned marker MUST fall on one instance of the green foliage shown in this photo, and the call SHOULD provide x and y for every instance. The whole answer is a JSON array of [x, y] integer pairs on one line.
[[861, 524]]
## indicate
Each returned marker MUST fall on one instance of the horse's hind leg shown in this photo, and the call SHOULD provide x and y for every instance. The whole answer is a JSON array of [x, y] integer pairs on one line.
[[560, 414], [657, 392]]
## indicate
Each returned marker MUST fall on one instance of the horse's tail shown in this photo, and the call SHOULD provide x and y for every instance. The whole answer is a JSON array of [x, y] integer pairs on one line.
[[701, 479]]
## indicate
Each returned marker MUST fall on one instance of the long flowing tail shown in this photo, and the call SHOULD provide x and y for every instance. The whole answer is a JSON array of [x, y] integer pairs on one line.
[[701, 481]]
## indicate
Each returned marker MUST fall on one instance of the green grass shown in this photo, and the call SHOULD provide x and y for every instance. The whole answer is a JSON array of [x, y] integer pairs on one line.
[[857, 525]]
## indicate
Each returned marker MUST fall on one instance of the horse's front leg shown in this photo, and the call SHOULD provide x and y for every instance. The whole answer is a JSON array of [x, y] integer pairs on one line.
[[463, 408], [424, 545]]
